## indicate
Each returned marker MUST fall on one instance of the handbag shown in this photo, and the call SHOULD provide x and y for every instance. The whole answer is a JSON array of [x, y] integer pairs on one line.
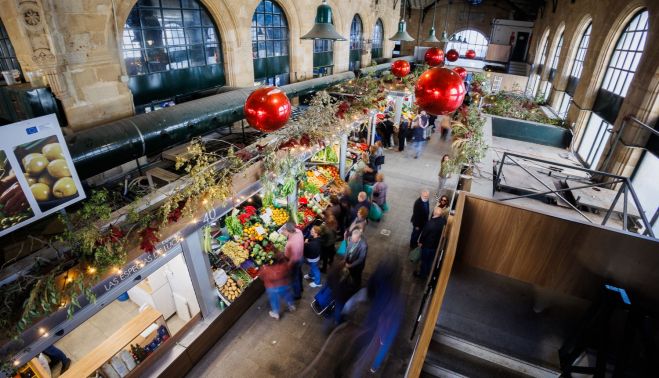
[[342, 248], [415, 255], [379, 160], [385, 207], [375, 213]]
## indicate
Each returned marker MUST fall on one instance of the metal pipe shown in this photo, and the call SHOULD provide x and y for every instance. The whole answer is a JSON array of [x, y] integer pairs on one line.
[[613, 205]]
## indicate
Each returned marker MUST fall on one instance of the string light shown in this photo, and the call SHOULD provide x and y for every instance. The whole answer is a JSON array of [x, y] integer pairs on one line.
[[140, 264], [91, 270], [69, 280], [42, 330], [119, 271], [17, 362]]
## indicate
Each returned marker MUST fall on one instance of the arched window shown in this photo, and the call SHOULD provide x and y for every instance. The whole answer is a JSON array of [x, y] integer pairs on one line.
[[475, 41], [8, 59], [540, 66], [323, 57], [172, 43], [378, 38], [619, 74], [270, 44], [552, 68], [575, 72], [355, 43]]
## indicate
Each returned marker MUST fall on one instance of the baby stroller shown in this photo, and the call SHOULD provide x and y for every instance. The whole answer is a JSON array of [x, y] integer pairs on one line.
[[323, 301]]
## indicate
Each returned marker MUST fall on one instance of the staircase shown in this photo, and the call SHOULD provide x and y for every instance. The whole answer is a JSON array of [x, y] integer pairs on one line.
[[518, 68], [452, 357]]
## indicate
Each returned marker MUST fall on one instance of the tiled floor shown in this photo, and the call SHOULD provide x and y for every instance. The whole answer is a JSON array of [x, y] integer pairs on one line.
[[259, 345]]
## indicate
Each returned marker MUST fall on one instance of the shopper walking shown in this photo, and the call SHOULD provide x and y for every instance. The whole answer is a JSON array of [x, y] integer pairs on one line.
[[312, 250], [294, 252], [380, 191], [424, 121], [429, 240], [443, 174], [356, 251], [418, 138], [388, 126], [328, 234], [402, 134], [359, 223], [362, 202], [276, 279], [420, 215], [342, 286]]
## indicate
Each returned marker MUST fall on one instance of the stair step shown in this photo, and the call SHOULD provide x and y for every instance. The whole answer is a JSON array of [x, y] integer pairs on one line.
[[452, 357]]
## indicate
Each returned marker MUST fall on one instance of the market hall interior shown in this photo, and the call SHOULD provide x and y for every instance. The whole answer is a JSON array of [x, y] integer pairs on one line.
[[436, 188]]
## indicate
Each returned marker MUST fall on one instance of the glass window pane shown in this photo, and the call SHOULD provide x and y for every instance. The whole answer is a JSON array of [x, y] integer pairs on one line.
[[209, 35], [172, 18], [171, 3], [150, 18], [148, 3], [213, 54], [206, 19], [268, 6], [193, 36], [157, 60], [175, 37], [196, 54], [191, 4], [191, 18]]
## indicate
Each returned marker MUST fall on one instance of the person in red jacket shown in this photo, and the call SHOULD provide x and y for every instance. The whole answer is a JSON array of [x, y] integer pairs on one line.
[[276, 278], [294, 252]]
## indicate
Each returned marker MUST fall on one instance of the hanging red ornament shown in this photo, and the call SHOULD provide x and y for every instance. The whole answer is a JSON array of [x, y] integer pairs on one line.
[[439, 91], [267, 109], [461, 71], [434, 56], [452, 55], [400, 68], [470, 54]]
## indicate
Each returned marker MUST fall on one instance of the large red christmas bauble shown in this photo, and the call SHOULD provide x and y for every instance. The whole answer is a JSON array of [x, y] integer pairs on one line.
[[439, 91], [267, 109], [461, 71], [400, 68], [470, 54], [452, 55], [434, 56]]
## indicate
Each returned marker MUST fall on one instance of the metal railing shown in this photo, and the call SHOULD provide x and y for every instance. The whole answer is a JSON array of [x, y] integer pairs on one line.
[[609, 179]]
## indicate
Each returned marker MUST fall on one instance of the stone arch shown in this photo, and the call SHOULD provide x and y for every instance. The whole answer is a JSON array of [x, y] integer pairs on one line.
[[225, 22], [572, 47], [552, 48], [538, 48], [608, 46]]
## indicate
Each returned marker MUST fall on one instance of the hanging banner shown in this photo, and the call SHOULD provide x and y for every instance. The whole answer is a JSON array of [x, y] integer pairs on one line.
[[37, 175]]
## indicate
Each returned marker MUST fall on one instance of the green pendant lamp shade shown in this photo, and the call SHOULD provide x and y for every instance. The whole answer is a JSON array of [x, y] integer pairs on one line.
[[431, 36], [402, 34], [323, 28], [444, 38]]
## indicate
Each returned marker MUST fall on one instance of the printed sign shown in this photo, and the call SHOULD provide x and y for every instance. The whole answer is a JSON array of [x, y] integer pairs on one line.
[[37, 176]]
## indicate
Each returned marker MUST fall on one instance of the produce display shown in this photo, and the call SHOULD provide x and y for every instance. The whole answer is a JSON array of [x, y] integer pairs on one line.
[[235, 252], [230, 290], [279, 216], [328, 155]]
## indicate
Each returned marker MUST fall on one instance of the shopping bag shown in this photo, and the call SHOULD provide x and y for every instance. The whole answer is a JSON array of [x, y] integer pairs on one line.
[[342, 249], [415, 255], [375, 213], [385, 207], [369, 190]]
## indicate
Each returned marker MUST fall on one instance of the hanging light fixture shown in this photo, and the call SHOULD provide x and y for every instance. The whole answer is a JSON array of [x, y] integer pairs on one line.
[[323, 28], [402, 34], [431, 36], [464, 39], [445, 37]]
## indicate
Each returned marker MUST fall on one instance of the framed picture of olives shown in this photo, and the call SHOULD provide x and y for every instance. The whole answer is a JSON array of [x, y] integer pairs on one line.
[[37, 173], [47, 172]]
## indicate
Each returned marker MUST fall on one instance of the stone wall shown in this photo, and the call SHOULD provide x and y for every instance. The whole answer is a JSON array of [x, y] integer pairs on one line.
[[609, 18], [76, 43]]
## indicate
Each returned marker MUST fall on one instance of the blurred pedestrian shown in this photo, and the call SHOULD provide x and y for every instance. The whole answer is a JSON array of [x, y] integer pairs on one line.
[[276, 279], [359, 223], [312, 251], [402, 133], [420, 214], [388, 126], [418, 138], [356, 251], [328, 235], [294, 252], [380, 191], [429, 241], [444, 173], [424, 121], [343, 287], [362, 202]]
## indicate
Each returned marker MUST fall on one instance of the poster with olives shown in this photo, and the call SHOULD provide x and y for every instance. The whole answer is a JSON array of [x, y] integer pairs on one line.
[[47, 172], [38, 175]]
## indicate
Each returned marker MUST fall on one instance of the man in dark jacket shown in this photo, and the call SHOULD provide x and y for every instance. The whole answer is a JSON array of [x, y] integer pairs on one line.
[[429, 240], [402, 133], [388, 127], [420, 216], [356, 251]]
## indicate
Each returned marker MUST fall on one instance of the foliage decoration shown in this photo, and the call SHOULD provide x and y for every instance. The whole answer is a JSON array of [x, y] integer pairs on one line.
[[516, 105], [468, 145]]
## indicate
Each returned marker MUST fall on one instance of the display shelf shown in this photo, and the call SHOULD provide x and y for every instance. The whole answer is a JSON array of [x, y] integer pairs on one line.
[[128, 334]]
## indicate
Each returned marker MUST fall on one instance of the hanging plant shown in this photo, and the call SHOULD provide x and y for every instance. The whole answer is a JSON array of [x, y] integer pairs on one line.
[[149, 239]]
